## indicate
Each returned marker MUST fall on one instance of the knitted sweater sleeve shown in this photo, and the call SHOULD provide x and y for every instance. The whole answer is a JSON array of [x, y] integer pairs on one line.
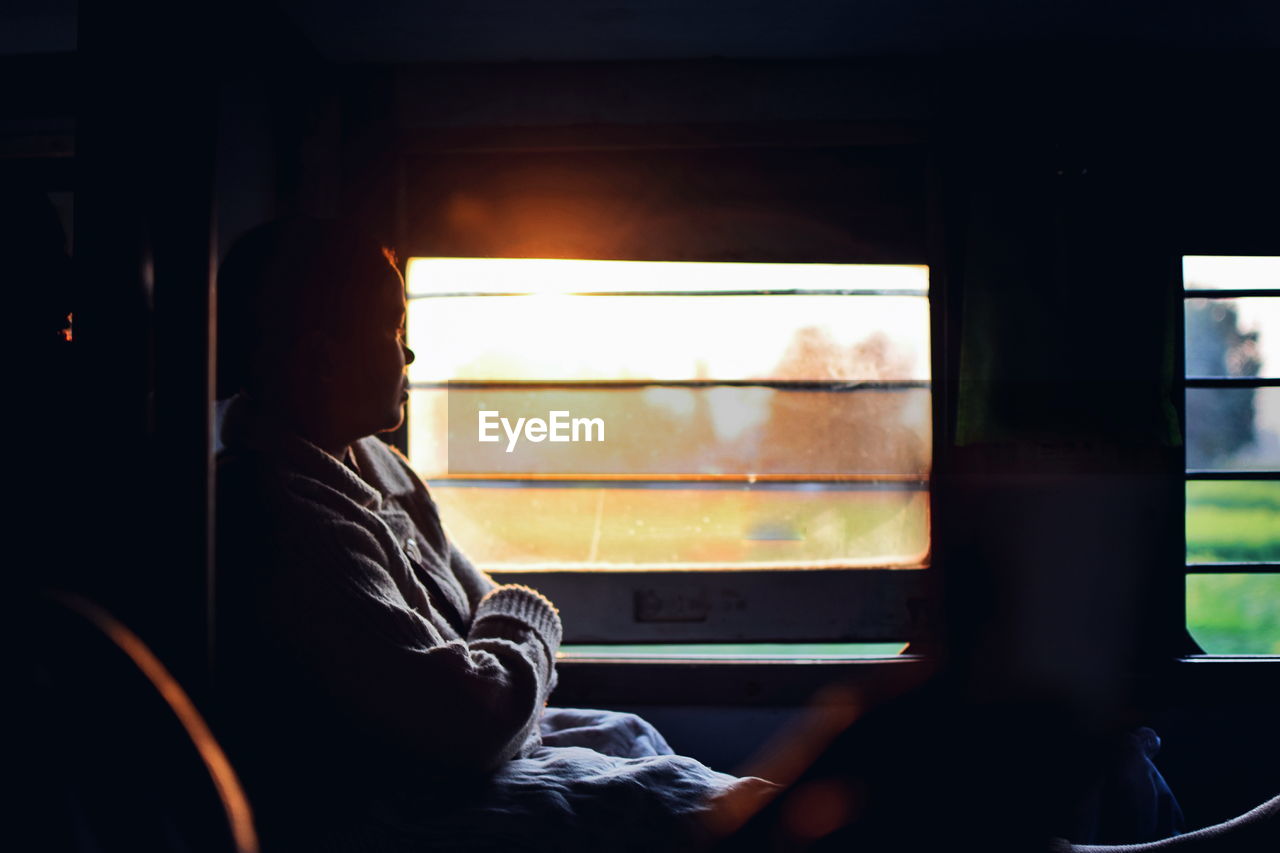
[[458, 703]]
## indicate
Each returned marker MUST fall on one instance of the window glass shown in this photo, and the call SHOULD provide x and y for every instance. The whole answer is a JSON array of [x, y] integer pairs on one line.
[[1237, 338], [716, 432], [1233, 453], [754, 415], [1236, 429], [1233, 521], [1234, 614], [524, 526], [722, 337]]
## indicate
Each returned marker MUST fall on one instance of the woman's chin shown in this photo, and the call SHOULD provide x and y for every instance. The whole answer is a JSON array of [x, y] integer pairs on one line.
[[397, 421]]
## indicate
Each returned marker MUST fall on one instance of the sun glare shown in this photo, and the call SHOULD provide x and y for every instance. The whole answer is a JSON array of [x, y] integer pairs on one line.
[[1229, 272], [581, 320]]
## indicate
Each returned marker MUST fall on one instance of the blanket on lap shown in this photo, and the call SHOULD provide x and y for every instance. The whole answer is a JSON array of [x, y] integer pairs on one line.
[[602, 781]]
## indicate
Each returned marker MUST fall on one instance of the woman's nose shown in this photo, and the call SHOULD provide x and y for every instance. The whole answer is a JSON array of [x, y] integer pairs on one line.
[[408, 355]]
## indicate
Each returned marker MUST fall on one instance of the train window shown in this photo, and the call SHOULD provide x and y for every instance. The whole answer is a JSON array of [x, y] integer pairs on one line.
[[1232, 369], [581, 420]]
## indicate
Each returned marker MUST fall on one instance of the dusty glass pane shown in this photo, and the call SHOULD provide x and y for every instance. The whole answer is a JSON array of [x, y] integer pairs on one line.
[[703, 432], [552, 276], [686, 527], [1226, 272], [1235, 614], [1233, 428], [1231, 521], [1233, 337], [873, 442], [567, 337]]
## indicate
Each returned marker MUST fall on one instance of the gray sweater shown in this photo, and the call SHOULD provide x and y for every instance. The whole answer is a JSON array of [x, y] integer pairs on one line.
[[345, 608]]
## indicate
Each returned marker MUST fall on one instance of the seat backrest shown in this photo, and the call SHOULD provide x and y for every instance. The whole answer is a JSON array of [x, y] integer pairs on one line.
[[116, 755]]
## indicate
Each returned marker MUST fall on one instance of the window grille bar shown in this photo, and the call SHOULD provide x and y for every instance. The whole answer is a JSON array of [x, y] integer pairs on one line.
[[836, 385], [1232, 568], [1234, 293], [1216, 474], [1233, 382]]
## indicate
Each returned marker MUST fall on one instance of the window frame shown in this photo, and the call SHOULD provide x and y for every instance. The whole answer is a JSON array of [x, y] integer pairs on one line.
[[1191, 650], [733, 605]]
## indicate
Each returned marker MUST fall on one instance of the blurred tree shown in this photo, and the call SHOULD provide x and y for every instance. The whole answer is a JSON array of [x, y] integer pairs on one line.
[[1221, 423], [849, 431]]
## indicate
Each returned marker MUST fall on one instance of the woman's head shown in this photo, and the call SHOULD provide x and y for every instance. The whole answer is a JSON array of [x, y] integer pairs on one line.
[[311, 321]]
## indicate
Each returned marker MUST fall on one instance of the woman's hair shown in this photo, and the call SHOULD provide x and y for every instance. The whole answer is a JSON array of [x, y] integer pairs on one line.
[[285, 278]]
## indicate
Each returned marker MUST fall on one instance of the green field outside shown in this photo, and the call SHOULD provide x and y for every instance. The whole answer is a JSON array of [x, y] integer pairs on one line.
[[1235, 614], [1230, 521], [1227, 521], [1234, 521]]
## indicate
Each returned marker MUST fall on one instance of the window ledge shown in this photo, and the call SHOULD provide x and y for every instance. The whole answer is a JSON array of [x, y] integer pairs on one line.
[[1238, 660], [733, 652], [774, 682]]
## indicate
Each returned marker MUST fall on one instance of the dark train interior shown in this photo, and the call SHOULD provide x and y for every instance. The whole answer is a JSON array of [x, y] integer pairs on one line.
[[1052, 522]]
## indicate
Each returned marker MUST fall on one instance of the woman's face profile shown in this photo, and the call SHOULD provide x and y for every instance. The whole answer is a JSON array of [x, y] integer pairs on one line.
[[369, 383]]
